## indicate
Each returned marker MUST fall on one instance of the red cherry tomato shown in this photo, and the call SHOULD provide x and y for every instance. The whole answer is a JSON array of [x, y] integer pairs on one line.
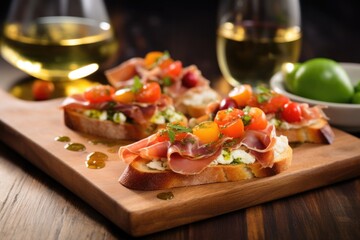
[[258, 119], [149, 93], [227, 103], [291, 112], [99, 93], [190, 80], [173, 70], [42, 90], [230, 122], [274, 104]]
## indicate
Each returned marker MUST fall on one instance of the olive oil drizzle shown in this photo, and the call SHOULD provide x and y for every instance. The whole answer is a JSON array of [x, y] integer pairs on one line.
[[76, 147], [62, 139], [96, 160], [165, 195]]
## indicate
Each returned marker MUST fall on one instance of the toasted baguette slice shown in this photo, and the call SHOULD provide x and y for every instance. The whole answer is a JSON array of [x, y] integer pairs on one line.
[[107, 129], [319, 132], [139, 176]]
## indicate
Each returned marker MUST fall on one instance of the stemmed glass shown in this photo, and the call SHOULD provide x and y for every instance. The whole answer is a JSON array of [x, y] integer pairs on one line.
[[256, 37], [58, 40]]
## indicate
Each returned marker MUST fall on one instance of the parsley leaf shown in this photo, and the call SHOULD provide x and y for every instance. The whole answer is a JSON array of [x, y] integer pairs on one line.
[[137, 85], [173, 129]]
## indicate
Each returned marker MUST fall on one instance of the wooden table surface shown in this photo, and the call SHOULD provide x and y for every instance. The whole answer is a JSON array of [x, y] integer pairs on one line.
[[34, 206]]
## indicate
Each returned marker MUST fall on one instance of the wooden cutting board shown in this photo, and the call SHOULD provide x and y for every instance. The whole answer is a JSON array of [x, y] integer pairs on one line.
[[30, 128]]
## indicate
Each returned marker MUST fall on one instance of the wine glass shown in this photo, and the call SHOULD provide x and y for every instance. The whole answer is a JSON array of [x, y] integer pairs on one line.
[[255, 38], [58, 40]]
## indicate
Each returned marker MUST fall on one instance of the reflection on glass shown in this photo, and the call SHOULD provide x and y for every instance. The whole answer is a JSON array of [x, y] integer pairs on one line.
[[58, 39], [255, 37]]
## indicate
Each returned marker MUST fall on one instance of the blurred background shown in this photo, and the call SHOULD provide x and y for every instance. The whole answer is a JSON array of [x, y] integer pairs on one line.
[[187, 29]]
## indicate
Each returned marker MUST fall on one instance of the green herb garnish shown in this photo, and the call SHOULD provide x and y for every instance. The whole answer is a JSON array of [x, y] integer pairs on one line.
[[173, 129], [137, 85]]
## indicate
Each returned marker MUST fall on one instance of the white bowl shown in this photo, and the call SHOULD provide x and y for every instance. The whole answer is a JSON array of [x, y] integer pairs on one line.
[[345, 116]]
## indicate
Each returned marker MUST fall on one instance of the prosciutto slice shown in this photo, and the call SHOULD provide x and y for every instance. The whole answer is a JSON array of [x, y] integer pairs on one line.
[[189, 157]]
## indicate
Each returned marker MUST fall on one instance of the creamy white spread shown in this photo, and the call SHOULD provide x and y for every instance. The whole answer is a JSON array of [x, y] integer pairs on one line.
[[167, 115], [157, 165], [200, 98]]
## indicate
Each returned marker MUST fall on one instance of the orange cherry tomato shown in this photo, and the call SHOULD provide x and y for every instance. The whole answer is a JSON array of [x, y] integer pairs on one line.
[[241, 94], [234, 129], [258, 119], [274, 104], [42, 90], [151, 58], [124, 95], [207, 132], [165, 63], [99, 93], [149, 93], [230, 122]]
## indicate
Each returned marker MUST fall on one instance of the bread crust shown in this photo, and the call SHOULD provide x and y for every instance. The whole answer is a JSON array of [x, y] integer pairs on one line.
[[106, 129], [319, 132], [139, 177]]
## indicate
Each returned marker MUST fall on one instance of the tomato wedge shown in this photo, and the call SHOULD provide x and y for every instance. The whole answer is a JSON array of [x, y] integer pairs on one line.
[[149, 93], [99, 93], [124, 95], [258, 119], [274, 104], [241, 94], [207, 132], [152, 58], [230, 122], [173, 70]]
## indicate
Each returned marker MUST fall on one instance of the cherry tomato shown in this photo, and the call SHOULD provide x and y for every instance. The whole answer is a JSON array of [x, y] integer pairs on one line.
[[227, 115], [163, 136], [207, 132], [258, 119], [165, 63], [226, 103], [230, 122], [274, 104], [124, 95], [42, 90], [99, 93], [241, 94], [190, 80], [291, 112], [173, 70], [149, 93], [151, 58]]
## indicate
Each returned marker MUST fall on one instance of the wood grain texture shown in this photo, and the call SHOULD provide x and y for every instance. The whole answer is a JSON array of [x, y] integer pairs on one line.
[[30, 128]]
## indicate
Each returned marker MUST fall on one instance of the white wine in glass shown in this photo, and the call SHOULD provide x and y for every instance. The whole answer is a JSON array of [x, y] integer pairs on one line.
[[58, 39], [256, 37]]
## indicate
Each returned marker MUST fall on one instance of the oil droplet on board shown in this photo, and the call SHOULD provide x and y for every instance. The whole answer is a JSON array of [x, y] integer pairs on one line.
[[76, 147], [165, 195], [62, 139], [96, 160]]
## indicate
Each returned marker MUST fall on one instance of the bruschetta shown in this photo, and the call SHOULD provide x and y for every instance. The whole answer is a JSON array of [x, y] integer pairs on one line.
[[189, 89], [236, 145], [298, 121], [129, 113]]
